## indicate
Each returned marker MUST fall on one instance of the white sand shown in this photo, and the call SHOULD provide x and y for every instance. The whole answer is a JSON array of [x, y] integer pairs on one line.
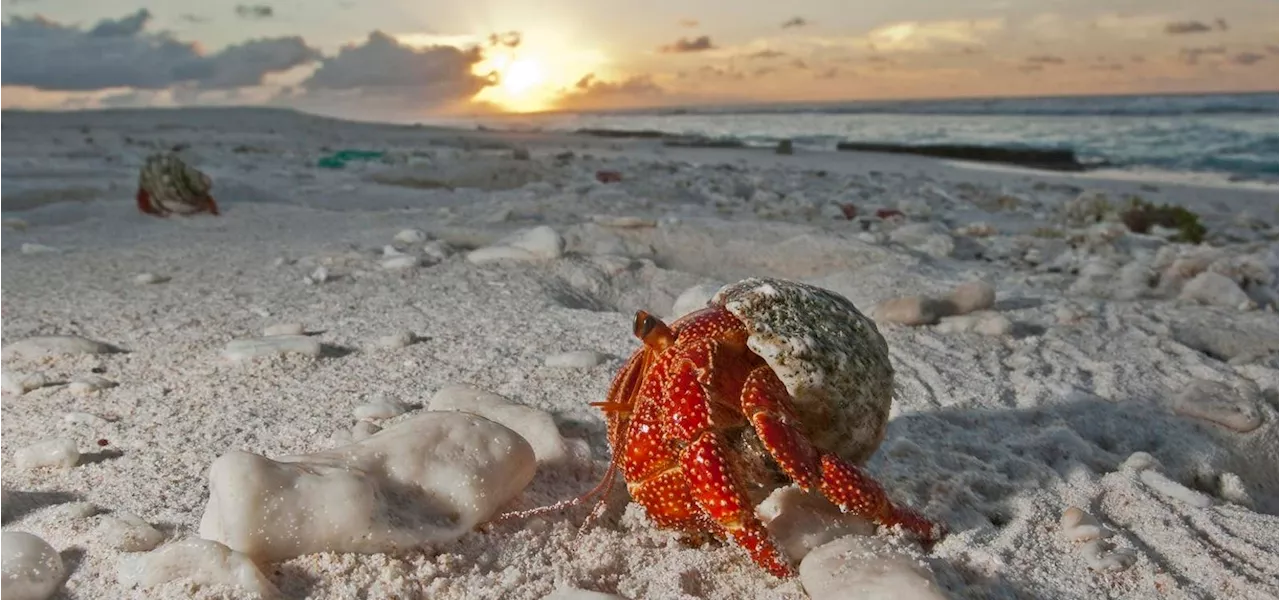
[[996, 435]]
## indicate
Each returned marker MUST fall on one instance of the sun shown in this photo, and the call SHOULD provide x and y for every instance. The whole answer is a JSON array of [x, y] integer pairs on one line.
[[521, 76], [533, 76]]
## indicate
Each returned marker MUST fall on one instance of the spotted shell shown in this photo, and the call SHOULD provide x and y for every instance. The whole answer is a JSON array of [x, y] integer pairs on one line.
[[173, 185], [830, 356]]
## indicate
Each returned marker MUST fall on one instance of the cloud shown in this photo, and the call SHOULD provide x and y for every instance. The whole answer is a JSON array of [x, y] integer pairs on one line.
[[828, 73], [1186, 27], [1271, 49], [254, 11], [509, 39], [1192, 56], [192, 18], [118, 53], [911, 36], [688, 23], [384, 78], [590, 92], [1247, 58], [685, 45], [794, 22], [766, 54], [1045, 59]]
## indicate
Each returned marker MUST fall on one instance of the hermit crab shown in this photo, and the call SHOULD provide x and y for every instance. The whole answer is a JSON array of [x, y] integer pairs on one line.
[[773, 382], [167, 185]]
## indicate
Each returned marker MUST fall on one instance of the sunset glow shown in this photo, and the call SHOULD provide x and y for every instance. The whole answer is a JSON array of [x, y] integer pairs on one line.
[[532, 76]]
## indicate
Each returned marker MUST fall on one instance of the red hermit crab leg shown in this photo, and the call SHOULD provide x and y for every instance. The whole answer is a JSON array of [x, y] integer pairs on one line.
[[766, 402]]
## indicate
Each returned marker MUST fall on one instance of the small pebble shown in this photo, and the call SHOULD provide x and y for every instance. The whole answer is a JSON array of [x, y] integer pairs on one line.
[[149, 278], [1217, 403], [89, 384], [623, 222], [535, 426], [128, 532], [395, 340], [362, 430], [694, 298], [381, 409], [56, 452], [391, 251], [538, 243], [437, 250], [320, 275], [1080, 526], [858, 566], [84, 419], [910, 310], [283, 329], [30, 569], [1173, 490], [200, 562], [1216, 289], [1100, 557], [397, 263], [994, 325], [79, 510], [14, 224], [53, 345], [37, 249], [238, 350], [578, 359], [411, 236], [1139, 461], [569, 593], [1067, 314], [18, 384], [972, 296], [1231, 487]]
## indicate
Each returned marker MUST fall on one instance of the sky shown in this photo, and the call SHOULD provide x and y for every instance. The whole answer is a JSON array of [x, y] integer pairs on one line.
[[401, 59]]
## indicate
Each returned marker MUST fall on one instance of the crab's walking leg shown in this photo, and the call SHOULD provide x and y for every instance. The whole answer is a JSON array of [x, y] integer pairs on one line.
[[144, 203], [718, 492], [210, 205], [766, 402], [711, 476]]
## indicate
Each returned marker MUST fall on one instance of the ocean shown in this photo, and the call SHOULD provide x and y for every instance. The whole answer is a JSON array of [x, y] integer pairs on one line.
[[1224, 136]]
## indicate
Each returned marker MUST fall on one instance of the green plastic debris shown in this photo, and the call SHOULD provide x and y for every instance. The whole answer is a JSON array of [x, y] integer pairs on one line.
[[339, 159]]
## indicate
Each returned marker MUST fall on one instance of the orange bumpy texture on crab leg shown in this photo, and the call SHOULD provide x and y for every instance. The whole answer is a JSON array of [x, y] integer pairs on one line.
[[768, 405]]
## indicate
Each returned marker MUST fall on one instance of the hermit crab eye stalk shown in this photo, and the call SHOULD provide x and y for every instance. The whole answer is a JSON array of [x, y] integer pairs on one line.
[[653, 332]]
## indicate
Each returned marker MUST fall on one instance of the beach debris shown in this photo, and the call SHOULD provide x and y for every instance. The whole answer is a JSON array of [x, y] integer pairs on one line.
[[802, 522], [283, 329], [30, 248], [784, 147], [400, 263], [276, 345], [570, 593], [380, 408], [368, 497], [1216, 289], [17, 384], [866, 567], [963, 299], [694, 298], [128, 532], [535, 426], [1080, 526], [889, 213], [577, 359], [14, 224], [339, 159], [200, 562], [1103, 556], [534, 244], [410, 236], [1217, 403], [809, 357], [59, 453], [149, 278], [399, 339], [167, 185], [86, 385], [45, 346], [30, 569], [623, 222], [605, 176]]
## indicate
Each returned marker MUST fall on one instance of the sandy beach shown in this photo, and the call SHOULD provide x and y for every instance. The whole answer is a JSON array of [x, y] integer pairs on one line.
[[1126, 374]]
